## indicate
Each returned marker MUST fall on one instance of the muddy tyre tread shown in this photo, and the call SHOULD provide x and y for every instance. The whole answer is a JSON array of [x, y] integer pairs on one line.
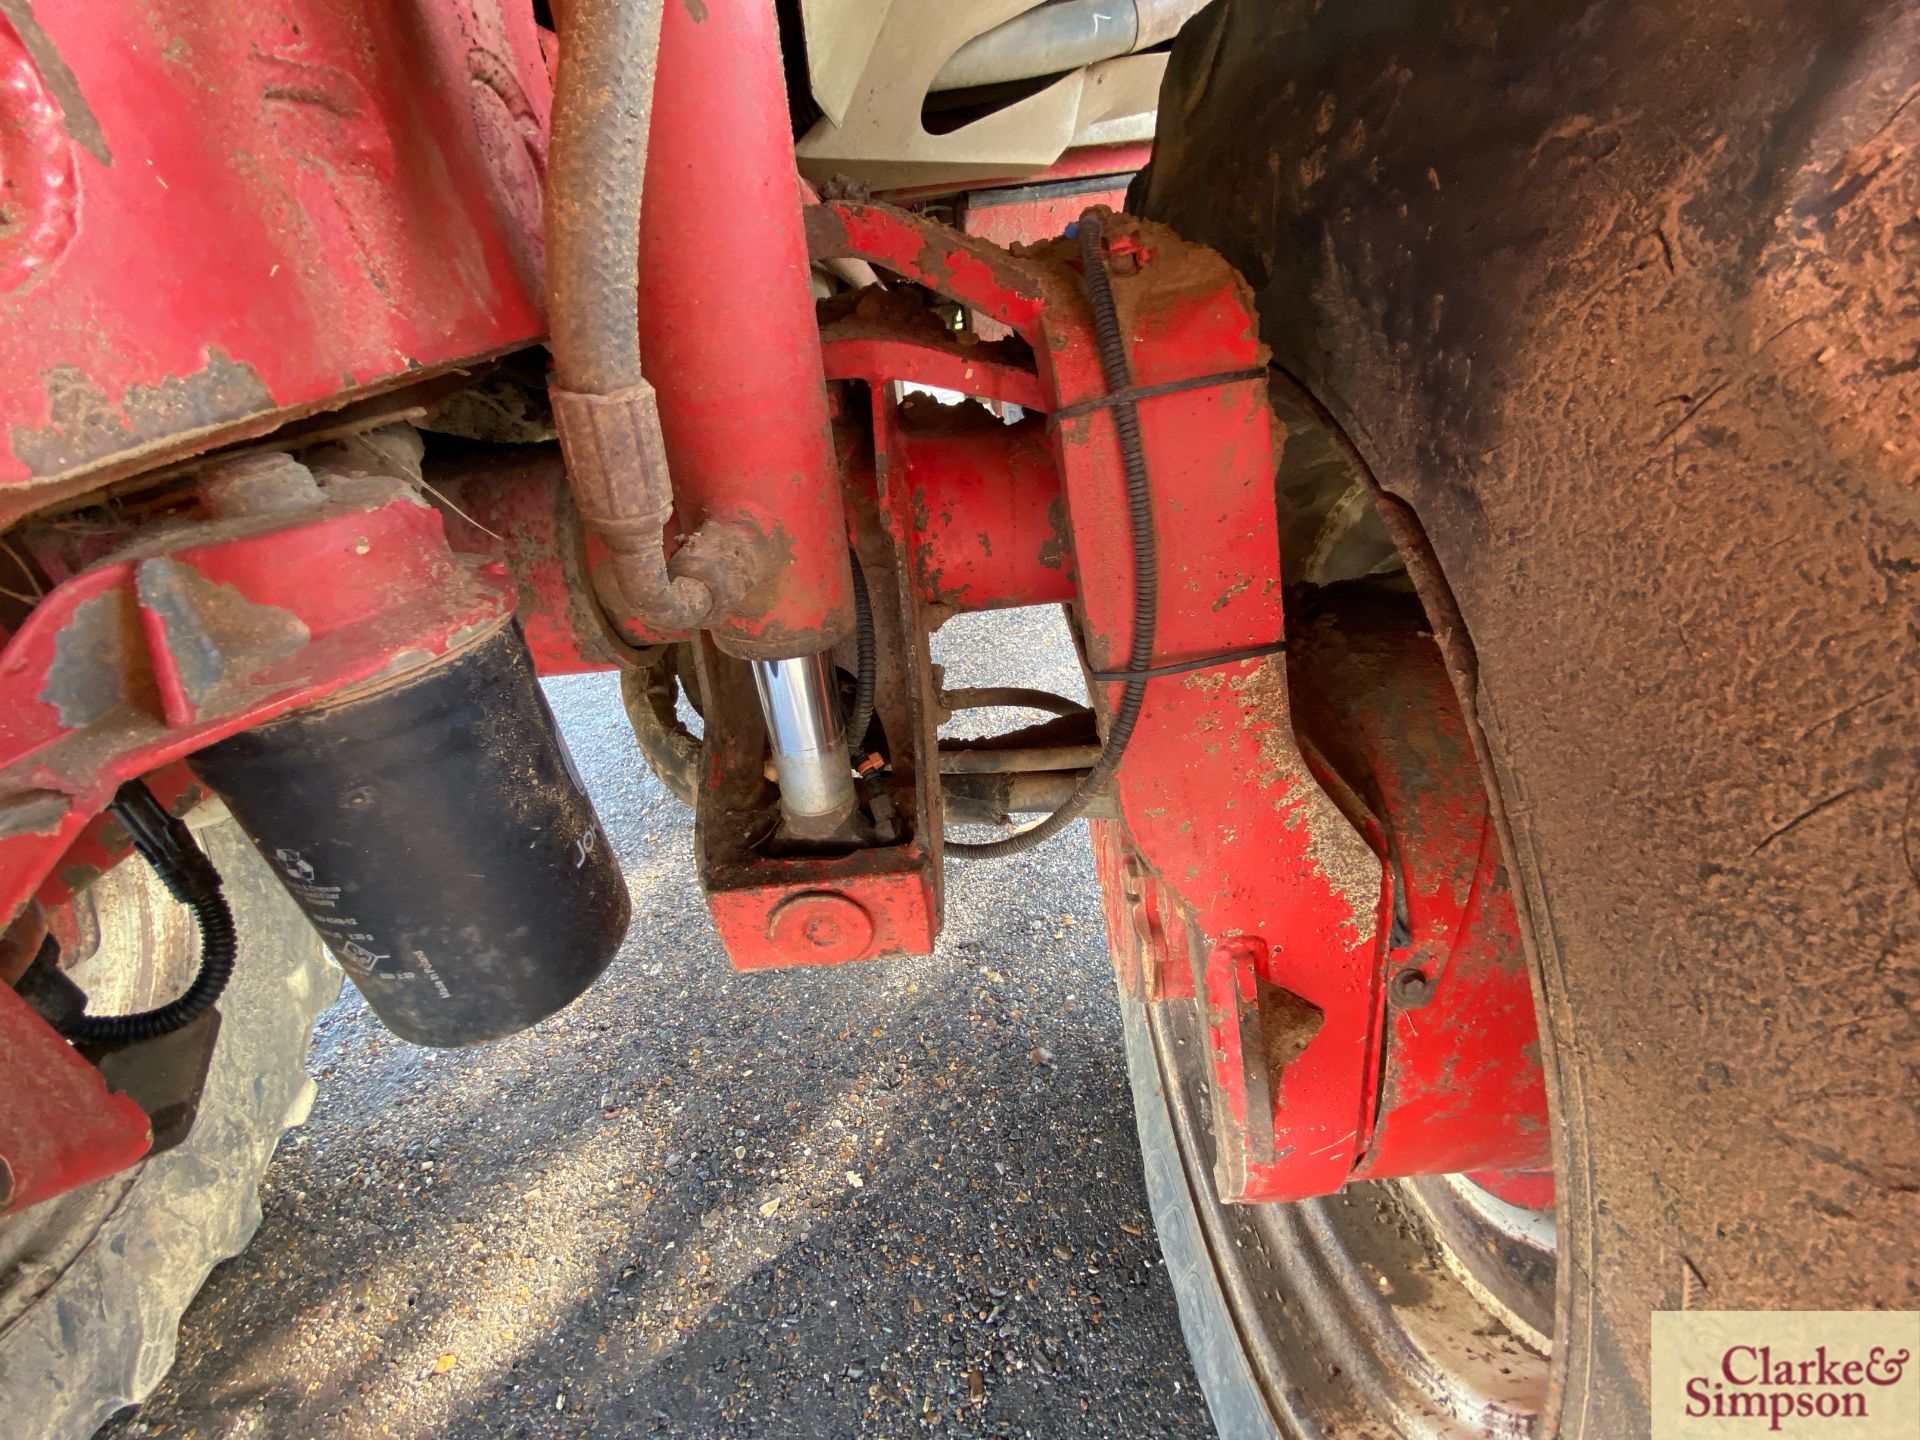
[[103, 1332], [1233, 1395]]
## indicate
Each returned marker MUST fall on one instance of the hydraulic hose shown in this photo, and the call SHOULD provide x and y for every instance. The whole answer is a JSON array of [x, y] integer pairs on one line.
[[602, 109], [604, 409], [1146, 577], [651, 693], [183, 867]]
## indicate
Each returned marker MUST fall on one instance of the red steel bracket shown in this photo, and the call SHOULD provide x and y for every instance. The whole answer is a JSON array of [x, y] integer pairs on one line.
[[59, 1124], [1461, 1086], [1214, 792], [1234, 875], [774, 910]]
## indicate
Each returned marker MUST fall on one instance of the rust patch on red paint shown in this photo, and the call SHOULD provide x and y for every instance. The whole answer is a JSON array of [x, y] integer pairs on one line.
[[86, 426], [37, 812], [1333, 845], [98, 661], [1059, 543], [1288, 1024], [973, 272], [207, 624]]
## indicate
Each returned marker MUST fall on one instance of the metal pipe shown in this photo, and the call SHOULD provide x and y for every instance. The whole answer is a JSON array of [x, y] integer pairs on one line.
[[997, 799], [1043, 41], [1063, 35], [986, 761], [809, 742], [727, 324], [1009, 697]]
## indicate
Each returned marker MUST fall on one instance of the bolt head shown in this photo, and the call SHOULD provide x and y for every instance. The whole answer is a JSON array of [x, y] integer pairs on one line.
[[1410, 989], [821, 927]]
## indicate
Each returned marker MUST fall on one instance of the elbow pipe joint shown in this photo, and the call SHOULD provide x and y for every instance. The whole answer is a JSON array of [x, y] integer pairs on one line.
[[604, 409], [617, 466]]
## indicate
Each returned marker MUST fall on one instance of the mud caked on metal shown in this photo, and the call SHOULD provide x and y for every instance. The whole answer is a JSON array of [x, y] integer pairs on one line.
[[433, 829]]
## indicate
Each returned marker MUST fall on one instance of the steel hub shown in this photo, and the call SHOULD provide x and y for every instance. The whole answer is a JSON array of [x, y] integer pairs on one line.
[[1417, 1307]]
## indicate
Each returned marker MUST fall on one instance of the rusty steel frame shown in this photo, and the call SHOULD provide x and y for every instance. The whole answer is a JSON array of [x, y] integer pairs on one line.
[[1298, 892], [1219, 734]]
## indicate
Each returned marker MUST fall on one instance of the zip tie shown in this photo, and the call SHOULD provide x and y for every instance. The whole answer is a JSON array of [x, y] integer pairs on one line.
[[1137, 393], [1225, 657]]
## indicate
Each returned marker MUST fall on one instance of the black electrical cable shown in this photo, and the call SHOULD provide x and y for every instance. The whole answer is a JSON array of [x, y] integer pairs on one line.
[[867, 661], [183, 867], [1146, 579]]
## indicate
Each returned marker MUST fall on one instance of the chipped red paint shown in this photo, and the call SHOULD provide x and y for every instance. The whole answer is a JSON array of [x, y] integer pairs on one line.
[[1147, 935], [986, 509], [1026, 216], [280, 208], [1029, 214], [857, 352], [835, 914], [1214, 792], [1461, 1084], [976, 273], [897, 884], [515, 506]]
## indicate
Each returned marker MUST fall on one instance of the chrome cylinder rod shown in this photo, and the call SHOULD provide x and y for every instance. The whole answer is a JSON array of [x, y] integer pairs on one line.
[[809, 741]]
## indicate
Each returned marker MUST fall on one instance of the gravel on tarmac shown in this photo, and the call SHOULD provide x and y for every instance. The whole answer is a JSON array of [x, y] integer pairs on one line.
[[893, 1198]]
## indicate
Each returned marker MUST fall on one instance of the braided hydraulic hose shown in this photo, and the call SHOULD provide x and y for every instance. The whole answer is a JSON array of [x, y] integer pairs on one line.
[[603, 407], [1146, 580], [183, 867]]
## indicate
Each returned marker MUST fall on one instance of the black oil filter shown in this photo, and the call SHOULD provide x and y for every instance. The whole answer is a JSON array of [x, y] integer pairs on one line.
[[435, 832]]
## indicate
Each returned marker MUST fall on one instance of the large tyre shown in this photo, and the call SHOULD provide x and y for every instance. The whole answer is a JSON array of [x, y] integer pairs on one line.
[[93, 1284], [1616, 305]]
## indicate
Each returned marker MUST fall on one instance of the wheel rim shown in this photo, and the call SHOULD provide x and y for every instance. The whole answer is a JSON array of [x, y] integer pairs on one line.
[[1390, 1309]]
